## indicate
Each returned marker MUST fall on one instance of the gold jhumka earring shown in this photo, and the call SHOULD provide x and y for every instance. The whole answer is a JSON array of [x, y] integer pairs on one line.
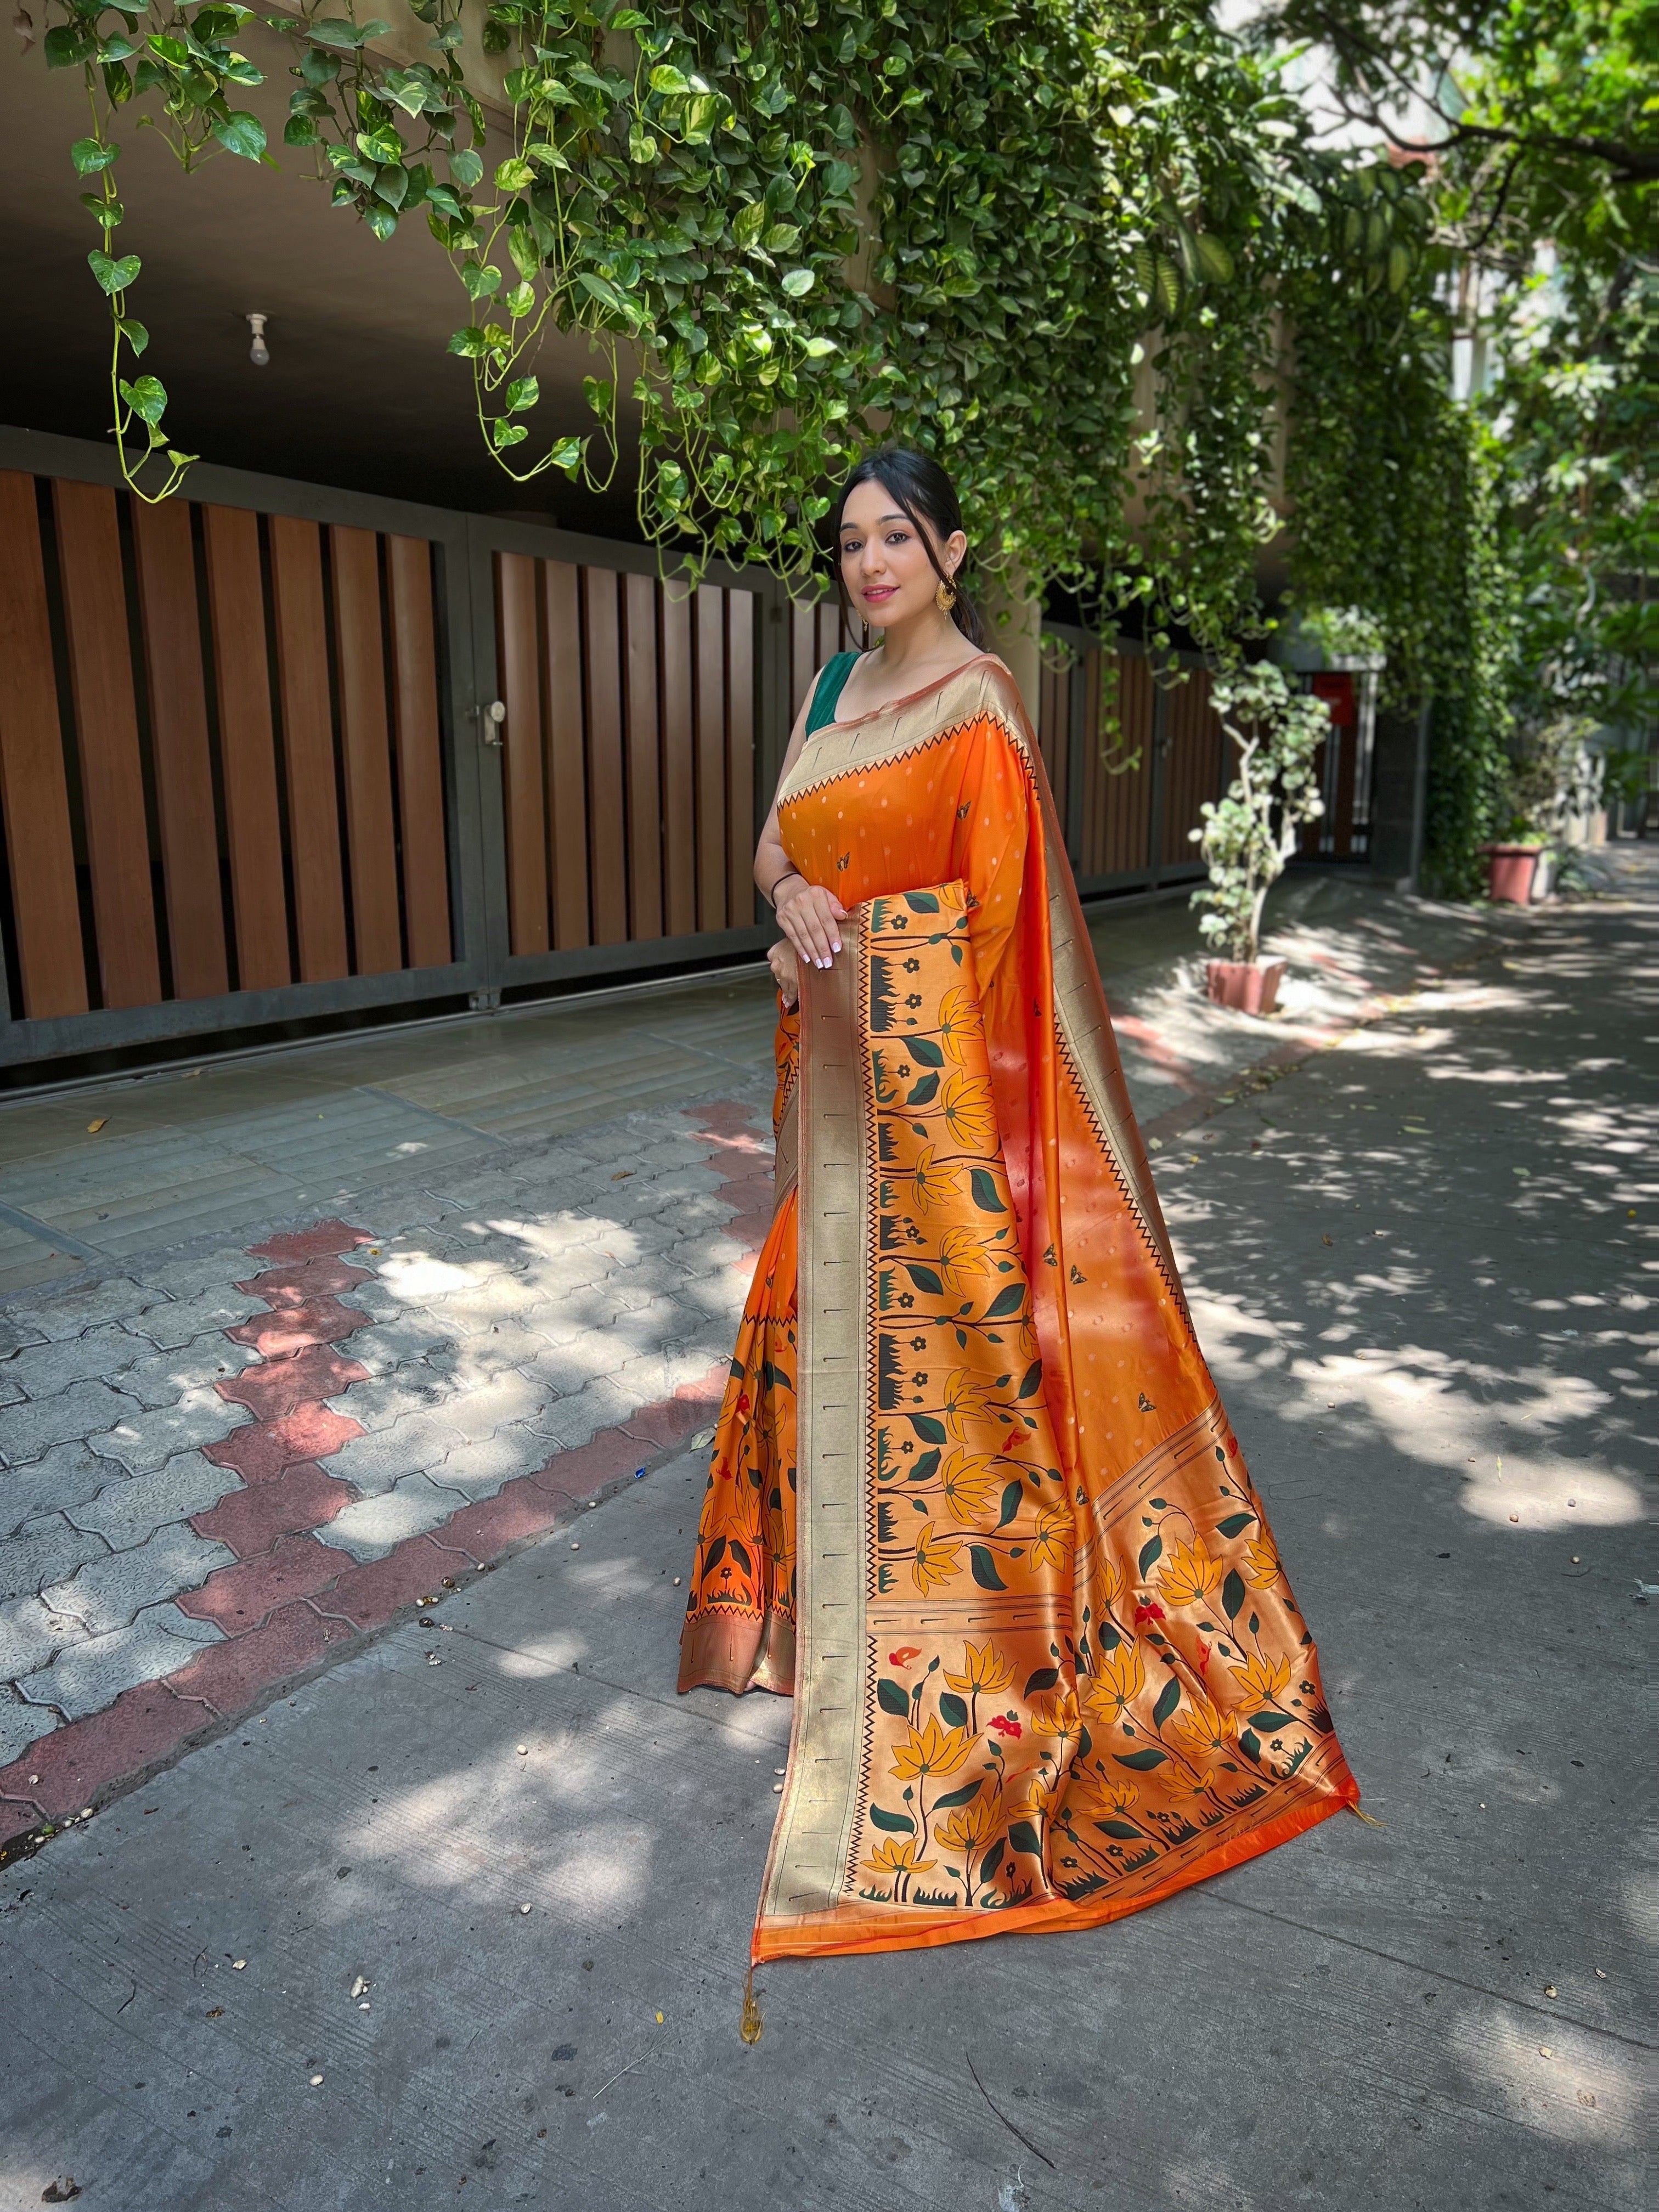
[[945, 598]]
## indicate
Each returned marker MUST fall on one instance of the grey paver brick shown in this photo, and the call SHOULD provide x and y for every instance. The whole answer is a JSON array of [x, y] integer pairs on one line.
[[15, 1331], [178, 1323], [82, 1307], [43, 1369], [190, 1275], [161, 1378], [570, 1368], [129, 1508], [88, 1676], [28, 1431], [9, 1393], [575, 1421], [479, 1469], [412, 1334], [494, 1403], [378, 1300], [20, 1725], [146, 1440], [44, 1550], [30, 1632], [109, 1593], [504, 1301], [369, 1528], [66, 1477], [413, 1387], [374, 1461], [501, 1345]]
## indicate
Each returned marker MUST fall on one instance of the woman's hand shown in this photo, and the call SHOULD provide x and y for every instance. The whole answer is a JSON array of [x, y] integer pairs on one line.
[[785, 974], [808, 917]]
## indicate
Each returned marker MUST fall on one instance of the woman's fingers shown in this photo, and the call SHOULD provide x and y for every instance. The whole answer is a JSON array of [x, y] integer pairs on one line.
[[809, 919]]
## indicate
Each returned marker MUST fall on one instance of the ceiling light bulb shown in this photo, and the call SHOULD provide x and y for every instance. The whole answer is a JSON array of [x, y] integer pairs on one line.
[[259, 353]]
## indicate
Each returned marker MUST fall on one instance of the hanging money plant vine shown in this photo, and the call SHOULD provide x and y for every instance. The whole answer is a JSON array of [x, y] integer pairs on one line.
[[1042, 238]]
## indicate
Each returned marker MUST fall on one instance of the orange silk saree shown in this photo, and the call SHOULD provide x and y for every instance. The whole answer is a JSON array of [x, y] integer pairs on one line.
[[973, 1497]]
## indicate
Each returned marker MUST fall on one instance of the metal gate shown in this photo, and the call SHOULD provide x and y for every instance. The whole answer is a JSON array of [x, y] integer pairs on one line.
[[276, 753]]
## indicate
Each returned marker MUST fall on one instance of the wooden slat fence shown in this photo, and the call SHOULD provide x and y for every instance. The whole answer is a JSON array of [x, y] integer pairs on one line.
[[630, 747], [219, 751]]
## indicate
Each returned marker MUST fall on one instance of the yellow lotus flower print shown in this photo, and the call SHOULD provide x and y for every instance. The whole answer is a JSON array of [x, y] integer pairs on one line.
[[1189, 1574], [960, 1024], [960, 1259], [931, 1750], [1109, 1582], [969, 1826], [1261, 1567], [1263, 1682], [984, 1671], [969, 1481], [1051, 1546], [930, 1186], [1122, 1796], [1058, 1717], [966, 1403], [1201, 1733], [936, 1559], [1113, 1686], [900, 1855], [969, 1114]]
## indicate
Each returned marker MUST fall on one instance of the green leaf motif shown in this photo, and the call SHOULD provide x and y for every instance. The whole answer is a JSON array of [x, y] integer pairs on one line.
[[893, 1697], [924, 1049], [1151, 1550], [1234, 1525], [1031, 1382], [1012, 1495], [957, 1796], [954, 1713], [925, 1278], [1142, 1762], [1169, 1698], [147, 397], [984, 1568], [1044, 1678], [90, 156], [983, 1184], [1124, 1829], [896, 1824], [1023, 1836], [1232, 1593], [1008, 1300], [930, 1431]]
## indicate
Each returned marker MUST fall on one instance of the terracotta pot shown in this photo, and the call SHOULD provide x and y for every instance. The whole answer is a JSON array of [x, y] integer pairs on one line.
[[1252, 986], [1511, 869]]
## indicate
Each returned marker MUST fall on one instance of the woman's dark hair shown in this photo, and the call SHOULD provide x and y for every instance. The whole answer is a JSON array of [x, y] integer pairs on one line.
[[926, 494]]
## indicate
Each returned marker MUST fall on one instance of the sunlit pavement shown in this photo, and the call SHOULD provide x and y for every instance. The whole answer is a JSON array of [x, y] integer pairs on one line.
[[1419, 1244]]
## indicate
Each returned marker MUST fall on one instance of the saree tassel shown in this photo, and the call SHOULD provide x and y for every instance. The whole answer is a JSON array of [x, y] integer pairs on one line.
[[1366, 1818], [751, 2026]]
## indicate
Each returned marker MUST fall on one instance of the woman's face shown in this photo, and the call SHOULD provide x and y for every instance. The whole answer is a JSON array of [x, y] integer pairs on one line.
[[884, 563]]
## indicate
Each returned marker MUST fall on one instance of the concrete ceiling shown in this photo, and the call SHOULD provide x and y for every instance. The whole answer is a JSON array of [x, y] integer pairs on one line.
[[360, 391]]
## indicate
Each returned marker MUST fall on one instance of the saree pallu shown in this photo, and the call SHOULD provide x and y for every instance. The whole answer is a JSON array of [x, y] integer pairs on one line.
[[973, 1495]]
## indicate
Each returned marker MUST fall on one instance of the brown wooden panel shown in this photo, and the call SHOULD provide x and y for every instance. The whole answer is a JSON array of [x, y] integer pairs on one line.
[[607, 846], [1189, 765], [107, 737], [740, 756], [709, 617], [313, 809], [365, 741], [45, 915], [420, 752], [247, 755], [644, 773], [803, 648], [678, 770], [567, 753], [179, 748], [523, 794]]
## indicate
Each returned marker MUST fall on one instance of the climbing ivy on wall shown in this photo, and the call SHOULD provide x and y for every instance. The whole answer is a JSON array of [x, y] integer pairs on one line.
[[1040, 237]]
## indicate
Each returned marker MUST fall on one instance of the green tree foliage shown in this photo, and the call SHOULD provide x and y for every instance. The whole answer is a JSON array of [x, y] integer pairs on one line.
[[1247, 837]]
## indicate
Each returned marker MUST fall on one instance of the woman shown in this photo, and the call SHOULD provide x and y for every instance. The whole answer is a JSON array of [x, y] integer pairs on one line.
[[974, 1499]]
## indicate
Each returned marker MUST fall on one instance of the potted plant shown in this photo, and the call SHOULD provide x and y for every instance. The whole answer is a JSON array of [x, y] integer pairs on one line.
[[1336, 640], [1553, 781], [1246, 838]]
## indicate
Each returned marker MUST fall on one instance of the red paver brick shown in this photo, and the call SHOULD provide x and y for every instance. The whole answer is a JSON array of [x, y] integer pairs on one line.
[[260, 1453], [372, 1593], [321, 1239], [289, 1330], [722, 1119], [241, 1597], [299, 1286], [77, 1762], [16, 1819], [276, 1387], [251, 1521], [229, 1676], [673, 1420], [520, 1508]]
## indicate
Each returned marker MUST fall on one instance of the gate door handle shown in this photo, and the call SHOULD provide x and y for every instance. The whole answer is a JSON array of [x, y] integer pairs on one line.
[[490, 719]]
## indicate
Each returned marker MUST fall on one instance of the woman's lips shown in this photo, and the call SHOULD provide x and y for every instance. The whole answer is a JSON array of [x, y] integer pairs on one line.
[[881, 591]]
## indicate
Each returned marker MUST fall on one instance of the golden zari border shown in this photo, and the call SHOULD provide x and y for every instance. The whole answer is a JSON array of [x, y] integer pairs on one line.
[[806, 1866]]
